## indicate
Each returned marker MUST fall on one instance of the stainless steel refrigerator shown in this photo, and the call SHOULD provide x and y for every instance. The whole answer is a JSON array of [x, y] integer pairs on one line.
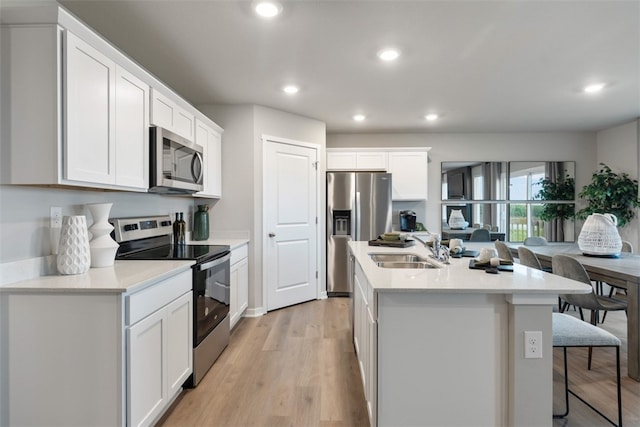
[[358, 208]]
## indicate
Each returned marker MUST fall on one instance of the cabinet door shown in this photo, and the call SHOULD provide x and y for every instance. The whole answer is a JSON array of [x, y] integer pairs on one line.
[[211, 143], [215, 168], [341, 160], [179, 342], [239, 297], [409, 175], [146, 367], [371, 160], [162, 110], [243, 286], [89, 150], [233, 296], [184, 123], [132, 130]]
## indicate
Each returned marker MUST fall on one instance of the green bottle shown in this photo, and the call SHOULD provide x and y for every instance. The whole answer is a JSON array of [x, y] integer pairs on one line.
[[201, 223]]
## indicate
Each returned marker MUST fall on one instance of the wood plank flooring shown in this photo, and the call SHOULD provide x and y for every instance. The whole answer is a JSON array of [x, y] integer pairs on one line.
[[296, 367]]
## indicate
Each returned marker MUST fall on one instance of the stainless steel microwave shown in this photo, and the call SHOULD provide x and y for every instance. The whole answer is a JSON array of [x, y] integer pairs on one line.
[[175, 165]]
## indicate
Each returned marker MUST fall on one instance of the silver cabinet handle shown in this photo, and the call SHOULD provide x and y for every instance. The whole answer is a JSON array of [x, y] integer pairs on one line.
[[272, 234]]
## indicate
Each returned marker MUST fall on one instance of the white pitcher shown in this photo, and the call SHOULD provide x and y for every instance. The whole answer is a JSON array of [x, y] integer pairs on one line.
[[456, 220], [599, 235]]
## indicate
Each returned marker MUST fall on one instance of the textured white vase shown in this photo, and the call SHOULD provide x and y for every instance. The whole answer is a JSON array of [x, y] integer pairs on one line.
[[74, 256], [103, 247]]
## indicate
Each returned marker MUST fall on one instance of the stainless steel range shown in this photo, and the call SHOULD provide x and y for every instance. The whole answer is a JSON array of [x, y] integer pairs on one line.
[[149, 238]]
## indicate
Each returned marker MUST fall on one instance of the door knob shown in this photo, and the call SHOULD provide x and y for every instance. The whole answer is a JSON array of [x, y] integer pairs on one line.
[[272, 234]]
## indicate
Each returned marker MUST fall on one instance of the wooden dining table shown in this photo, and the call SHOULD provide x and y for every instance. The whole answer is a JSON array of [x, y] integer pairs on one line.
[[622, 271]]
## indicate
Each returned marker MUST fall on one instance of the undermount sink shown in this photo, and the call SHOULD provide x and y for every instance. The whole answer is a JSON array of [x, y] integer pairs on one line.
[[417, 264], [401, 261]]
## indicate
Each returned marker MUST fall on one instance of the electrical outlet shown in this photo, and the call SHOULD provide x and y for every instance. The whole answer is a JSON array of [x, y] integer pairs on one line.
[[533, 344], [56, 217]]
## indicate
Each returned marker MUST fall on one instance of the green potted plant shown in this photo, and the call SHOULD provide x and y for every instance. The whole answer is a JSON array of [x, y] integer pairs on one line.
[[560, 189], [612, 193]]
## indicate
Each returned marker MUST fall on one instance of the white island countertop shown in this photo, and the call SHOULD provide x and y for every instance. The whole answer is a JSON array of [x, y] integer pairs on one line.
[[458, 277], [123, 276]]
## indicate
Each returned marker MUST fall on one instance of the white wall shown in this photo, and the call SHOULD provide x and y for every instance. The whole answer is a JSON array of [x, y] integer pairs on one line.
[[24, 214], [577, 146], [241, 204], [619, 148]]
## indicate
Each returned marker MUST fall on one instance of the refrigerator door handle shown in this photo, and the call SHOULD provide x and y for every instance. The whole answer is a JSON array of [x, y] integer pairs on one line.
[[356, 233]]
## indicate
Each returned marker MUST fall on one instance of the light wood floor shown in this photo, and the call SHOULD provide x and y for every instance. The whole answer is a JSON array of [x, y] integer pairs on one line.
[[297, 367]]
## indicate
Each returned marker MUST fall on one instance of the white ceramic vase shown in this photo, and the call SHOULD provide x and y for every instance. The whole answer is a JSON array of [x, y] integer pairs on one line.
[[600, 236], [456, 220], [103, 247], [74, 256]]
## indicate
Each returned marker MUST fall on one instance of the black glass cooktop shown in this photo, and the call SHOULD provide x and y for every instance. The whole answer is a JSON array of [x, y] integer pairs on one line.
[[199, 253]]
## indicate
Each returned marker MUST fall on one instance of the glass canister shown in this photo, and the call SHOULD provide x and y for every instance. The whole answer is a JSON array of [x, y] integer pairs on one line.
[[201, 223]]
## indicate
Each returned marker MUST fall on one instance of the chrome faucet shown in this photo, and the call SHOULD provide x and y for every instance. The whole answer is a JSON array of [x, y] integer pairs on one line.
[[439, 252]]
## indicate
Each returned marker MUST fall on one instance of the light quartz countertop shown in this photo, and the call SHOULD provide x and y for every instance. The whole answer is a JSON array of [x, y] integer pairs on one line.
[[123, 276], [458, 277]]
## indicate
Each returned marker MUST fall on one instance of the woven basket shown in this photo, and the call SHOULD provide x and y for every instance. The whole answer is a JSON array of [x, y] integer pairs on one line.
[[599, 235]]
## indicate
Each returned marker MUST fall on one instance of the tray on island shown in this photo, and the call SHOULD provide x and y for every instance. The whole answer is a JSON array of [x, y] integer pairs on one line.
[[392, 243], [484, 265]]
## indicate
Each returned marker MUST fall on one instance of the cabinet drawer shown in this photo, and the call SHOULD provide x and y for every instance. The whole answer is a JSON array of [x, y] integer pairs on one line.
[[140, 304], [239, 253]]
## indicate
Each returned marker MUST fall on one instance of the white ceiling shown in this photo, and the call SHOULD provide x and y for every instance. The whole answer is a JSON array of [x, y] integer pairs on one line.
[[484, 66]]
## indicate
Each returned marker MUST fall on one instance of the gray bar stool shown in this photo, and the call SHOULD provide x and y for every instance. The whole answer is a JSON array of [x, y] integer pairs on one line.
[[568, 331]]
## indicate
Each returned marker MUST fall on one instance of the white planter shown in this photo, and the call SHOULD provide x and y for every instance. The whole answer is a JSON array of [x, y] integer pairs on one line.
[[73, 251], [103, 247]]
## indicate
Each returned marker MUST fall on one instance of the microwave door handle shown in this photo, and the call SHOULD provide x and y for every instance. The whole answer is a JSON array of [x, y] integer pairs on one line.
[[215, 262], [198, 177]]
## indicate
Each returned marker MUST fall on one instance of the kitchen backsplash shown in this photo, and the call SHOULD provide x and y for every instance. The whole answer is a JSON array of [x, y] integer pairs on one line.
[[25, 214]]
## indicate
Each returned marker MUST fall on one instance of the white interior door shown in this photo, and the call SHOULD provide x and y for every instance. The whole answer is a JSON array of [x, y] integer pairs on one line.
[[290, 204]]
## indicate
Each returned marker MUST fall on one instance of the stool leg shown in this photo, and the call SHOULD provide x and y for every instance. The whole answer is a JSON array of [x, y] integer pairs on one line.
[[566, 386], [618, 381]]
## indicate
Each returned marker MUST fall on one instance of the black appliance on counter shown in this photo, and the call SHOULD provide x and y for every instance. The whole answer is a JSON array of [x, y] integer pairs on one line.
[[149, 238], [407, 221]]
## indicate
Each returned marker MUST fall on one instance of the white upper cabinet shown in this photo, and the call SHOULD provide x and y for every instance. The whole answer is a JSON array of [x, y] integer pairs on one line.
[[132, 130], [407, 165], [338, 159], [169, 115], [90, 113], [88, 116], [408, 175], [211, 141], [76, 111]]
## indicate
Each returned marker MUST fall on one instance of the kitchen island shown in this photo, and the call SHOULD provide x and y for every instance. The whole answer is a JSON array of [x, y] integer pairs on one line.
[[445, 346]]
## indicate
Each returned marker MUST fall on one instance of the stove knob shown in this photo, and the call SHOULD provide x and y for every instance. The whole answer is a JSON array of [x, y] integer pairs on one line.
[[130, 227]]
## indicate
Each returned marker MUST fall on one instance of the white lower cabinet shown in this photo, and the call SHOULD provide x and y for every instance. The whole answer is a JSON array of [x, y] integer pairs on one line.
[[91, 357], [159, 360], [239, 296], [365, 338]]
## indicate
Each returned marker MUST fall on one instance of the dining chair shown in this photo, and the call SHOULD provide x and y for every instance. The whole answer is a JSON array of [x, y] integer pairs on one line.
[[480, 235], [567, 331], [503, 251], [528, 258], [569, 267], [535, 241], [613, 289]]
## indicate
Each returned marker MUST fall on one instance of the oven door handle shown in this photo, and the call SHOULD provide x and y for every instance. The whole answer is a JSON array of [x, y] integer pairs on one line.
[[215, 262]]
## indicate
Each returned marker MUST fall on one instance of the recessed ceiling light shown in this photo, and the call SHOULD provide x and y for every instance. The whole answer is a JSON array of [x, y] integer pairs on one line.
[[291, 89], [431, 117], [389, 54], [594, 88], [359, 117], [267, 8]]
